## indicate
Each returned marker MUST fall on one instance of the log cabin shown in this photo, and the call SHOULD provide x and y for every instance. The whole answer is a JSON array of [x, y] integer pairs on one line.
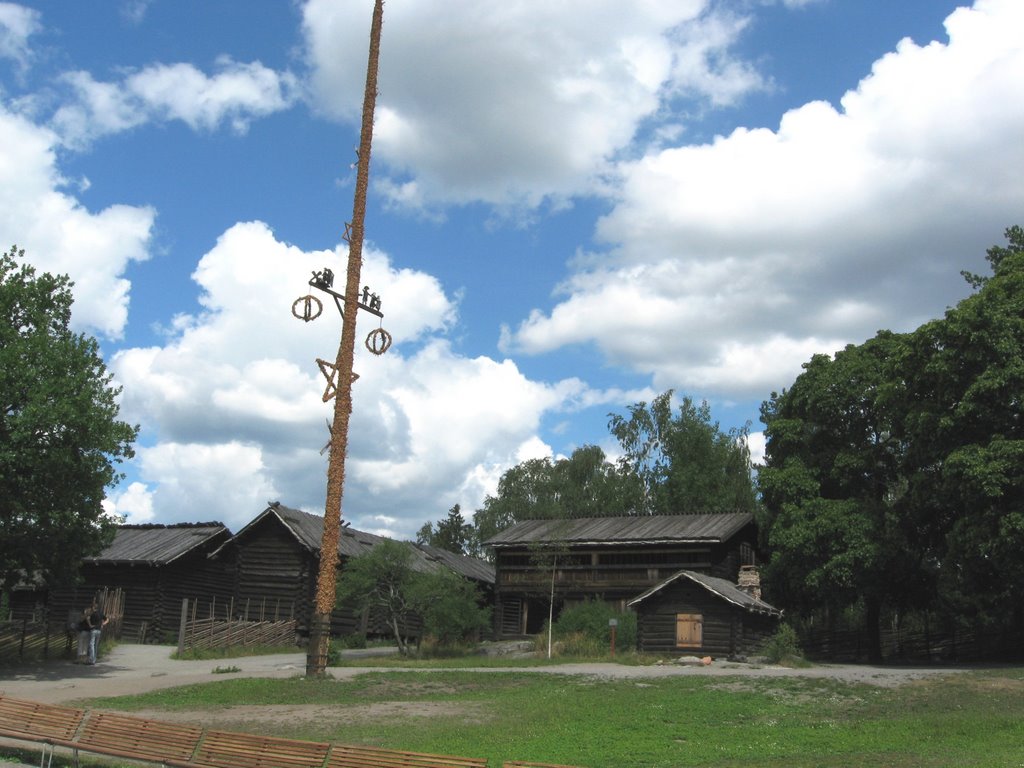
[[276, 558], [615, 559], [697, 614], [154, 566]]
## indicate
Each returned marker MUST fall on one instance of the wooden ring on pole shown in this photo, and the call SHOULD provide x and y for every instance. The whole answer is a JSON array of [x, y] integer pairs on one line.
[[308, 313], [378, 341]]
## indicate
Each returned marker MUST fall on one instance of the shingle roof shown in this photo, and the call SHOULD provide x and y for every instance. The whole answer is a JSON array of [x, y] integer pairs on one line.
[[308, 531], [654, 529], [157, 544], [720, 587], [470, 567]]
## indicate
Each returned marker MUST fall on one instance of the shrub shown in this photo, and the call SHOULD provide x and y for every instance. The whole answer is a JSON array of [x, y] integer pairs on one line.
[[590, 618], [354, 640], [783, 646]]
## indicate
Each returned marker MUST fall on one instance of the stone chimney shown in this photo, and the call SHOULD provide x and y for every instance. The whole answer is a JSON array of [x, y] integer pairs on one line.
[[750, 581]]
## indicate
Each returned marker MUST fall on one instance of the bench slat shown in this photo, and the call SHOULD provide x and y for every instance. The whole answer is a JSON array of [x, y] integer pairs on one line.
[[115, 734], [33, 721], [357, 756], [224, 749]]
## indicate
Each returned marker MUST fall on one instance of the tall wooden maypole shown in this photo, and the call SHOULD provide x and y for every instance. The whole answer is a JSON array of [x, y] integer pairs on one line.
[[339, 374]]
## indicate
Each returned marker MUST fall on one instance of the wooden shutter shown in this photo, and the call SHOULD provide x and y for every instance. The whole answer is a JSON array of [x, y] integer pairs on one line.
[[689, 630]]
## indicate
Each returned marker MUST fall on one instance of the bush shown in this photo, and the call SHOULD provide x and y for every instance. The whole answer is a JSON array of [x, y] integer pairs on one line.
[[354, 640], [590, 619], [783, 646]]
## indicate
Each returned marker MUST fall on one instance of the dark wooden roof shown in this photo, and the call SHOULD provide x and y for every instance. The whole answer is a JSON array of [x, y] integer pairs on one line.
[[720, 587], [308, 531], [470, 567], [657, 529], [157, 544]]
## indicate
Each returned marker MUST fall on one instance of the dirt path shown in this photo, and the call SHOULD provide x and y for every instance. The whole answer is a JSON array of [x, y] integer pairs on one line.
[[139, 668]]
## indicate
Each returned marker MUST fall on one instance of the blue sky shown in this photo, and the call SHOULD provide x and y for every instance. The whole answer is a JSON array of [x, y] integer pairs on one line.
[[574, 206]]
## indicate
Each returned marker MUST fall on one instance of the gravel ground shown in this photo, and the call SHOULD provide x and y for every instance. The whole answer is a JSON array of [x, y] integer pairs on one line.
[[139, 668]]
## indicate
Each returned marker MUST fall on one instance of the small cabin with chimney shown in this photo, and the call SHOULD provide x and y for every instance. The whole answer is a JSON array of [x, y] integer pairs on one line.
[[615, 559], [695, 614]]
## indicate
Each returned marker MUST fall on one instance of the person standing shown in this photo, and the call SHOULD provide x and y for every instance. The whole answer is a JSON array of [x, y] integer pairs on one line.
[[84, 636], [97, 620]]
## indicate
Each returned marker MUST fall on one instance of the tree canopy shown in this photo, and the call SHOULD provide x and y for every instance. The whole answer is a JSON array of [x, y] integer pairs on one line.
[[453, 533], [60, 436], [894, 473], [671, 464], [685, 463], [584, 485], [385, 580]]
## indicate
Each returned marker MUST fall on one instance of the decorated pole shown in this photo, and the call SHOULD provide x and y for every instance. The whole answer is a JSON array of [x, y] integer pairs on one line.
[[340, 375]]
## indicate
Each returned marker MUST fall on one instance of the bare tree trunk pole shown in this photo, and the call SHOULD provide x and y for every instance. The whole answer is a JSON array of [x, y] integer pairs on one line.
[[316, 660]]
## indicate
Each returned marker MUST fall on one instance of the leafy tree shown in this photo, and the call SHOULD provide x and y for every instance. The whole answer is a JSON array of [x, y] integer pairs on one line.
[[453, 533], [381, 579], [831, 486], [60, 437], [685, 463], [962, 405], [385, 579], [450, 607], [895, 471], [584, 485]]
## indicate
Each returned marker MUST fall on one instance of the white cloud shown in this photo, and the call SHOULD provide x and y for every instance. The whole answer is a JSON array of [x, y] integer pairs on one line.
[[757, 444], [60, 235], [514, 102], [201, 482], [236, 94], [233, 398], [134, 503], [17, 24], [732, 262]]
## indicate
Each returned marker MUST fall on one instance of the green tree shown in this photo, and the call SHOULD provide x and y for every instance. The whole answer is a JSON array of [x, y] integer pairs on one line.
[[385, 580], [453, 533], [60, 437], [584, 485], [684, 463], [450, 607], [962, 404], [832, 489], [381, 580]]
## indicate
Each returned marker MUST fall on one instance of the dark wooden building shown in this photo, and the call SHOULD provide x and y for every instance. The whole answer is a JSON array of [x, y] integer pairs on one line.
[[276, 558], [614, 559], [694, 613], [154, 566]]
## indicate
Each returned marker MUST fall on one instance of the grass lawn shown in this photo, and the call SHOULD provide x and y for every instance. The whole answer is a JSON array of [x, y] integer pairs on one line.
[[966, 719]]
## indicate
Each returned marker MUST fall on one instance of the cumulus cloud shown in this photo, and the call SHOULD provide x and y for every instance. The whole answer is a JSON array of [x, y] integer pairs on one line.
[[514, 102], [234, 397], [236, 94], [17, 24], [731, 262], [60, 235]]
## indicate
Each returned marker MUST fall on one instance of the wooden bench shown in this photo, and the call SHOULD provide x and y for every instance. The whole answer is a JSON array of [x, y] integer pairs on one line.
[[356, 756], [224, 749], [109, 733], [46, 724]]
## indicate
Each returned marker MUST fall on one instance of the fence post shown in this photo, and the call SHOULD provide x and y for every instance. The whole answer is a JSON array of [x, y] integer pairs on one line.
[[181, 625]]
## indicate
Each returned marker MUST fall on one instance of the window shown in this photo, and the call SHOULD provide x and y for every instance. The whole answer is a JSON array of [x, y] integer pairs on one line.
[[689, 630]]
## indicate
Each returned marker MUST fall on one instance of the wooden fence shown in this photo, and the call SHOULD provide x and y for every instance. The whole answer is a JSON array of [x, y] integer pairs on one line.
[[253, 624], [47, 634], [917, 646]]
